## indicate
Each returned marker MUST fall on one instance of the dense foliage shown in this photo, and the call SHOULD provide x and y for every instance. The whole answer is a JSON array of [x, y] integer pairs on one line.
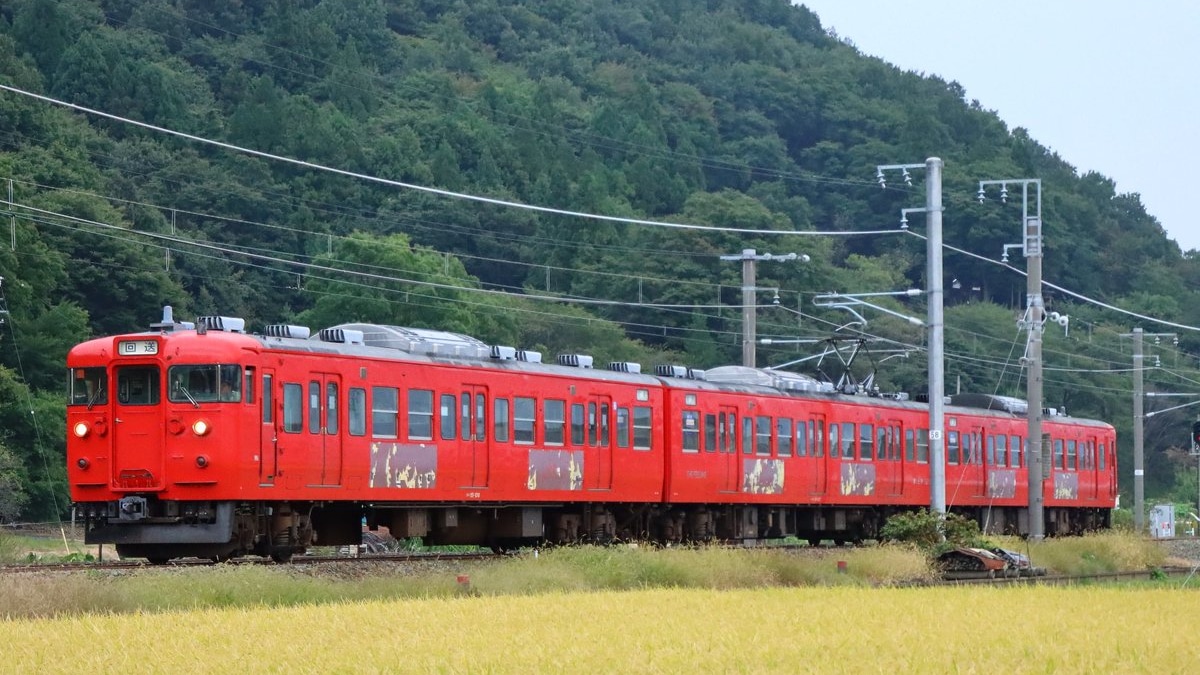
[[735, 114]]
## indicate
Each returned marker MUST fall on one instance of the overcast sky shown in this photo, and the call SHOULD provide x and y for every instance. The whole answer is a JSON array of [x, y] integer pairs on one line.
[[1109, 85]]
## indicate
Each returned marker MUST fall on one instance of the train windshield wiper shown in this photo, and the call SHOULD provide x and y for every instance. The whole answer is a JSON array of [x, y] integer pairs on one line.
[[188, 394]]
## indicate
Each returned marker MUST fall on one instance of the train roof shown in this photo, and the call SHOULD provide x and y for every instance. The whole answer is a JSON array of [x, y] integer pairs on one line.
[[379, 341]]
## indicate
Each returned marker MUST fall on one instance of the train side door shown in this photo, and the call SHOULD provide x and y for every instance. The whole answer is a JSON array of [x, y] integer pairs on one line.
[[324, 416], [1088, 474], [818, 453], [598, 444], [890, 452], [727, 433], [268, 447], [473, 433]]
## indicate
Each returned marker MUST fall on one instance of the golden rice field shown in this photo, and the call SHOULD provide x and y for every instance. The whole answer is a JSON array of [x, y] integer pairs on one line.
[[777, 630]]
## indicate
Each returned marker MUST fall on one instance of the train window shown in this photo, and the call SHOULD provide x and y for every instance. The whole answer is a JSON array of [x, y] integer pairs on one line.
[[883, 442], [464, 416], [592, 424], [500, 420], [577, 425], [801, 439], [604, 428], [248, 387], [691, 431], [910, 445], [314, 407], [358, 411], [834, 448], [952, 448], [1101, 457], [293, 408], [968, 448], [1001, 447], [137, 385], [420, 414], [1014, 451], [89, 386], [847, 440], [815, 430], [268, 413], [622, 427], [524, 419], [866, 441], [480, 417], [1058, 454], [447, 410], [710, 433], [332, 408], [991, 450], [747, 435], [641, 427], [555, 421], [762, 435], [385, 409], [922, 446], [783, 435], [722, 434], [1071, 456]]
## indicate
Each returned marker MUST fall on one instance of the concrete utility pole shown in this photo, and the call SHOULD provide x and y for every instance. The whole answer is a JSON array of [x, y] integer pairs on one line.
[[937, 324], [1034, 321], [1139, 427], [749, 305]]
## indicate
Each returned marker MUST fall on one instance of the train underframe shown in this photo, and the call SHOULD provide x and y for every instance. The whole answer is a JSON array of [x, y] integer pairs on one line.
[[143, 527]]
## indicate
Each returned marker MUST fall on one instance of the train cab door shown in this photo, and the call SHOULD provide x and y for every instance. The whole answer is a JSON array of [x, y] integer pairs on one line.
[[473, 433], [599, 445], [138, 443], [324, 415], [268, 446], [727, 446]]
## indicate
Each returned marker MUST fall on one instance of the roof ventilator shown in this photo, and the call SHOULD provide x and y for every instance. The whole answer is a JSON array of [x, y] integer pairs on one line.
[[279, 330], [504, 353], [342, 336], [575, 360], [625, 367], [231, 324]]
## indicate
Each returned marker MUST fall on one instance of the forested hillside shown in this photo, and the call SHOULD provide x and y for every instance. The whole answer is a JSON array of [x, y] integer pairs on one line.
[[734, 114]]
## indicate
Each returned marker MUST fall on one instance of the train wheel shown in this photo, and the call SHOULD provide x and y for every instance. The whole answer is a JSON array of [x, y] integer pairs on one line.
[[814, 541], [282, 557], [157, 560]]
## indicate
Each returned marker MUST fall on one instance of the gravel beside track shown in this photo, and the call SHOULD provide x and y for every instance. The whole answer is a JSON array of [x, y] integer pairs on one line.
[[1182, 551]]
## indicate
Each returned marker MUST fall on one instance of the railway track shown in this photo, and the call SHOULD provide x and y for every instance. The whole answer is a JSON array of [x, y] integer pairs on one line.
[[298, 561]]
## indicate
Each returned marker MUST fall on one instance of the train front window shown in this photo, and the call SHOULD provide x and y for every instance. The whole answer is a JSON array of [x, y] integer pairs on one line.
[[206, 383], [89, 386], [137, 385]]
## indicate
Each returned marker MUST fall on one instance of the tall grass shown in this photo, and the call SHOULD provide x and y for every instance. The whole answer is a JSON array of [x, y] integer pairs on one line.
[[1113, 551], [559, 570]]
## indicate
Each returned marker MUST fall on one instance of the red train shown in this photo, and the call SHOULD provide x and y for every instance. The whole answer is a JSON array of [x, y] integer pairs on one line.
[[203, 440]]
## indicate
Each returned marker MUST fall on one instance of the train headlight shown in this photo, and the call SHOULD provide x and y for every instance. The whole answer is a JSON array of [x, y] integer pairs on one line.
[[81, 429], [201, 427]]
